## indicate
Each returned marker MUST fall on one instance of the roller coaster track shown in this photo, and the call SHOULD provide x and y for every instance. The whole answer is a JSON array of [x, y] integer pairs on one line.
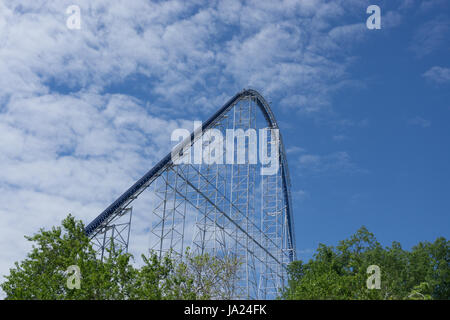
[[231, 218]]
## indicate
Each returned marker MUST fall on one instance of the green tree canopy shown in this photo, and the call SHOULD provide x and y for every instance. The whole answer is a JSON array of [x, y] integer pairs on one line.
[[43, 274], [334, 273], [341, 272]]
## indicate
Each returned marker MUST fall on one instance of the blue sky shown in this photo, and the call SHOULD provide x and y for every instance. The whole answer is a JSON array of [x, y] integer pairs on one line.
[[363, 113], [393, 126]]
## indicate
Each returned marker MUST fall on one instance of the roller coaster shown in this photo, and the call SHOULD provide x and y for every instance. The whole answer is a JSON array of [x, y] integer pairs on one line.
[[220, 209]]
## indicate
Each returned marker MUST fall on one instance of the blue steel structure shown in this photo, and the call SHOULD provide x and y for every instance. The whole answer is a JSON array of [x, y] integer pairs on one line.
[[279, 253]]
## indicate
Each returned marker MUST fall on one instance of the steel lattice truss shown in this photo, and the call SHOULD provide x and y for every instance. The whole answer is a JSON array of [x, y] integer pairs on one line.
[[220, 209]]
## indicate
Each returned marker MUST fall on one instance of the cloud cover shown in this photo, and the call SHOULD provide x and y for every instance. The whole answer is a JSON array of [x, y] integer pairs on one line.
[[84, 113]]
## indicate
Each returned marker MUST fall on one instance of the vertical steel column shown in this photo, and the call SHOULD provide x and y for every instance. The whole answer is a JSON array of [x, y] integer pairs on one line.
[[115, 235]]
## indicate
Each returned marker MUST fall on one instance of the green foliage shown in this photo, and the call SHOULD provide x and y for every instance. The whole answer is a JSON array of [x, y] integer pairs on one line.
[[42, 275], [210, 277], [334, 273], [340, 272]]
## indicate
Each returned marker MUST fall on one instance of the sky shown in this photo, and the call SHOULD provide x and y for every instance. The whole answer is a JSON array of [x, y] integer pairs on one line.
[[363, 112]]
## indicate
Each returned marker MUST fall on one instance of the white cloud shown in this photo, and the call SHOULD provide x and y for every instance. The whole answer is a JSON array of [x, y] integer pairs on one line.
[[294, 149], [309, 160], [185, 50], [70, 153], [421, 122], [391, 19], [339, 137], [427, 5], [438, 74], [430, 36], [333, 163]]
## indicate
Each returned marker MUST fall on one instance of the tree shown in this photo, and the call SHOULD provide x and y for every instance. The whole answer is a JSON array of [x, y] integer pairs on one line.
[[210, 277], [340, 272], [43, 274]]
